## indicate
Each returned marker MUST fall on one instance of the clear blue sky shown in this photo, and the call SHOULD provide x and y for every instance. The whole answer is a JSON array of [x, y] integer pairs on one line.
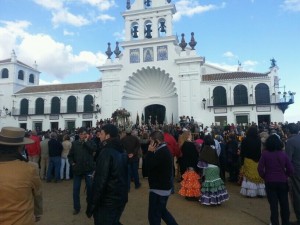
[[68, 38]]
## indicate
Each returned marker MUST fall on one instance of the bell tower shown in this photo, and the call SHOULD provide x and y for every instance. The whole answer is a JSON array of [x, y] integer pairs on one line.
[[148, 19]]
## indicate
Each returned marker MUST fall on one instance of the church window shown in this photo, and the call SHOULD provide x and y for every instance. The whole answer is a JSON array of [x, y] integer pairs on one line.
[[148, 54], [240, 95], [134, 30], [219, 96], [21, 75], [147, 4], [162, 27], [4, 73], [71, 104], [162, 52], [31, 78], [24, 106], [262, 94], [55, 105], [39, 106], [88, 104], [135, 55], [148, 29]]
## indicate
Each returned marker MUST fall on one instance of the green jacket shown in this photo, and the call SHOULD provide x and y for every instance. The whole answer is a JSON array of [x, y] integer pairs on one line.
[[81, 157]]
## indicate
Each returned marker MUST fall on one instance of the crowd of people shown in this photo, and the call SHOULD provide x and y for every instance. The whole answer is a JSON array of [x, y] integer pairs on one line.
[[263, 159]]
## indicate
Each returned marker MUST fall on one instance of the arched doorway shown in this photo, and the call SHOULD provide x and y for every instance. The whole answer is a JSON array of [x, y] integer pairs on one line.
[[155, 113]]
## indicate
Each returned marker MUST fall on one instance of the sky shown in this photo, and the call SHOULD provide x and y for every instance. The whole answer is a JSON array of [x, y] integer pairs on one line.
[[68, 38]]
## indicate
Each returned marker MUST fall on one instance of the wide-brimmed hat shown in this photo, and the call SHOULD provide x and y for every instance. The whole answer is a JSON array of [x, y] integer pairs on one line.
[[13, 136]]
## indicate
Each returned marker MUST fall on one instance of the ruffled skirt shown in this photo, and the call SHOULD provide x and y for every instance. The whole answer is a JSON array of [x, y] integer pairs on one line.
[[190, 185], [252, 184], [213, 189]]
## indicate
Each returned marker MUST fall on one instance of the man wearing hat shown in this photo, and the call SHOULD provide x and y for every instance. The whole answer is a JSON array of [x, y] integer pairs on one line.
[[293, 150], [20, 184]]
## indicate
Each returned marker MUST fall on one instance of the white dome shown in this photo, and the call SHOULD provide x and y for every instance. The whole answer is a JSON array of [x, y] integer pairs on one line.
[[149, 83]]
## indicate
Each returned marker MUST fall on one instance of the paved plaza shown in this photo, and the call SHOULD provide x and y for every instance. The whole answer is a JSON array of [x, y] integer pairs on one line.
[[237, 211]]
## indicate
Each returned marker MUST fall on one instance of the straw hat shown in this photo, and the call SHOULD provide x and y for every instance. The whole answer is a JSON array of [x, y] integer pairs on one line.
[[13, 136]]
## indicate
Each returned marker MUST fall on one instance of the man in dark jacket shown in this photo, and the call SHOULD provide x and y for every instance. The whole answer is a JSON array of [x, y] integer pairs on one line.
[[109, 193], [132, 146], [81, 159], [292, 148], [160, 165], [55, 149]]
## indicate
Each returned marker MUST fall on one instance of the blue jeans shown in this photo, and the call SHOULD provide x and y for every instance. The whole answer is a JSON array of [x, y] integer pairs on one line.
[[158, 210], [108, 216], [133, 168], [54, 163], [76, 189]]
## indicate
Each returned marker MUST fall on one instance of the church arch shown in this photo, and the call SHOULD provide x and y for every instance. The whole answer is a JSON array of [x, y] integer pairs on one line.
[[134, 30], [88, 103], [4, 73], [55, 105], [21, 75], [148, 29], [71, 104], [31, 78], [240, 95], [149, 83], [39, 106], [220, 96], [262, 94], [24, 106]]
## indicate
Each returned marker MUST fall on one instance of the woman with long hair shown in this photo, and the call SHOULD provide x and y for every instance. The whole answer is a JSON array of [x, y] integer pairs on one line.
[[213, 189], [252, 184], [190, 185]]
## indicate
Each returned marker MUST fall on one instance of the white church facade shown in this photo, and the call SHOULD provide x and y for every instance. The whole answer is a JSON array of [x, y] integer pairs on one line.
[[155, 74]]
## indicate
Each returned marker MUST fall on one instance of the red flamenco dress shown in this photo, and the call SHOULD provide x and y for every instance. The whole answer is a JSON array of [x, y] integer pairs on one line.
[[190, 185]]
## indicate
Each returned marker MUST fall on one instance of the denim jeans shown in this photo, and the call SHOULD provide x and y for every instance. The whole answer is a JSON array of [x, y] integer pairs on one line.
[[108, 216], [133, 172], [54, 163], [76, 189], [158, 210], [65, 162]]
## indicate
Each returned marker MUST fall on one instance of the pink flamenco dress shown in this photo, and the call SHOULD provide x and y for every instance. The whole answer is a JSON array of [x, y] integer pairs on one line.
[[190, 185]]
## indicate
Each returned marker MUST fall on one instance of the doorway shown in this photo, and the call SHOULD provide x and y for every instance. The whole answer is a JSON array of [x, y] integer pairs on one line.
[[242, 119], [155, 114], [54, 126], [264, 119], [70, 125], [38, 126], [87, 124]]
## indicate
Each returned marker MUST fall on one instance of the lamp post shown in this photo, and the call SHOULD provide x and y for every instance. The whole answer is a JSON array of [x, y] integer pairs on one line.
[[204, 102], [98, 109]]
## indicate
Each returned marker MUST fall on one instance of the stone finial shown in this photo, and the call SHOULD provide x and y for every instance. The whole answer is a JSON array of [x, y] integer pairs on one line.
[[193, 43], [117, 50], [182, 44], [35, 65], [13, 56], [128, 5], [108, 52]]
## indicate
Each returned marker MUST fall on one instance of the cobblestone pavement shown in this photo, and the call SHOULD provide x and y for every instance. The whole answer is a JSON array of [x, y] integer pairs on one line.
[[237, 211]]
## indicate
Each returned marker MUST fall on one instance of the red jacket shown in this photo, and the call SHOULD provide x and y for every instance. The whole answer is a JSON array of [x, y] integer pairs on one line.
[[35, 148], [172, 144]]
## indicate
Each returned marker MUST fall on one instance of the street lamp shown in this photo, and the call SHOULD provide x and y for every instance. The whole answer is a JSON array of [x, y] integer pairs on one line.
[[204, 102], [98, 108]]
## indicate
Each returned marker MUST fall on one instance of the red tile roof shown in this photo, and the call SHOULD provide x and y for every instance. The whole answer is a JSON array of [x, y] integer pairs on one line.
[[233, 75], [61, 87]]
